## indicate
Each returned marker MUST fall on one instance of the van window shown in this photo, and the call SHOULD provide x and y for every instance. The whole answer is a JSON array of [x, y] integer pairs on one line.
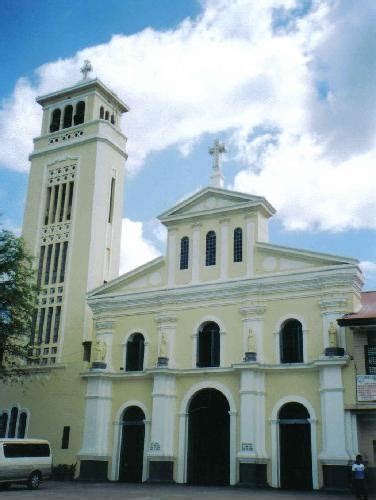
[[17, 450]]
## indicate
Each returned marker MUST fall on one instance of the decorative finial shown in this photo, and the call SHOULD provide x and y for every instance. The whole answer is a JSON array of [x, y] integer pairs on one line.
[[216, 151], [86, 68]]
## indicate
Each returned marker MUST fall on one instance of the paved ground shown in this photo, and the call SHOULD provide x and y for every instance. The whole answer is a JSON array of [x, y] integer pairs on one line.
[[77, 491]]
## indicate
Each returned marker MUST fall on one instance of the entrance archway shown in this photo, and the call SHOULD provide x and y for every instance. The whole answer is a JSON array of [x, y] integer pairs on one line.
[[295, 447], [208, 438], [132, 445]]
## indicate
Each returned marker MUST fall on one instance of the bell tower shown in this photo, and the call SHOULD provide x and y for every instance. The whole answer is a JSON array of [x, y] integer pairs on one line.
[[73, 212]]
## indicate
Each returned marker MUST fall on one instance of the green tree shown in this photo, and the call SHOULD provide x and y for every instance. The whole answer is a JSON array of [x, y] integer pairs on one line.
[[18, 293]]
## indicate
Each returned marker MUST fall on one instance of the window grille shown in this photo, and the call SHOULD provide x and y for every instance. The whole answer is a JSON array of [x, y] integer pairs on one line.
[[370, 359], [210, 248], [184, 252], [238, 245]]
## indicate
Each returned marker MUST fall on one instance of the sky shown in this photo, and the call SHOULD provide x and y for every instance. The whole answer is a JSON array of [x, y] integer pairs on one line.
[[288, 86]]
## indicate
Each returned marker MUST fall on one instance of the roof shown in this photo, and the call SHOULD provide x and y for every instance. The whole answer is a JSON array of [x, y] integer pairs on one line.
[[366, 315], [83, 85]]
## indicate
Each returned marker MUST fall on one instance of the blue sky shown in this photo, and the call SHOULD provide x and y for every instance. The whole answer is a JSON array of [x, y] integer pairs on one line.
[[288, 85]]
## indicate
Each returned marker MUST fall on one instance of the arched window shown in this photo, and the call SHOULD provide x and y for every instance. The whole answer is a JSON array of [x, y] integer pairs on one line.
[[238, 245], [291, 342], [13, 422], [68, 112], [107, 115], [112, 119], [101, 113], [3, 424], [135, 353], [22, 425], [79, 117], [184, 252], [208, 348], [55, 120], [210, 248]]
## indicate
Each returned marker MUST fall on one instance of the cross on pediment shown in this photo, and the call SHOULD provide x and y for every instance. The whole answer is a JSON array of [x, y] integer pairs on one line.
[[216, 151], [86, 68]]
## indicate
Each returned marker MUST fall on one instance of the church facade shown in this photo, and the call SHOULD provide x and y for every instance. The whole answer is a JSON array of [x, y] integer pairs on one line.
[[219, 363]]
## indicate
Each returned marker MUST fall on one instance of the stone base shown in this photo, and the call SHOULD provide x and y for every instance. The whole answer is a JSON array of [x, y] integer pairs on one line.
[[98, 365], [162, 361], [334, 351], [93, 470], [253, 475], [250, 356], [161, 471], [336, 477]]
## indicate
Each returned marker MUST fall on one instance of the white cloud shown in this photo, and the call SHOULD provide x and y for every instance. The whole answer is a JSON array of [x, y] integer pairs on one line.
[[135, 249], [291, 81], [368, 267]]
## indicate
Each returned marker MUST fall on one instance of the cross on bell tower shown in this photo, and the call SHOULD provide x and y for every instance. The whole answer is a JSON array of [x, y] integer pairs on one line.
[[216, 151]]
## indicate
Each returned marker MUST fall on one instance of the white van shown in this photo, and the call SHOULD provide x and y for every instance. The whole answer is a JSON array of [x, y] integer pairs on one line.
[[24, 461]]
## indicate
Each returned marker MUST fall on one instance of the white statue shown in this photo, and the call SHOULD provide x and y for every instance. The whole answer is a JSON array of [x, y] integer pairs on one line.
[[100, 350], [163, 347], [332, 333], [251, 341]]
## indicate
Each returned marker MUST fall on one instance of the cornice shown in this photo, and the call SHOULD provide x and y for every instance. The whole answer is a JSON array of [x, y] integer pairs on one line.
[[264, 287], [78, 142]]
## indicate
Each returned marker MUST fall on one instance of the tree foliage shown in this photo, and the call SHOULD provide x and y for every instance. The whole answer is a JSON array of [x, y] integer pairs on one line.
[[18, 292]]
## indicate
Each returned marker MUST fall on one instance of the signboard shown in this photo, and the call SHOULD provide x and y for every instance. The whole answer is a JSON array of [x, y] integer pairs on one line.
[[366, 387]]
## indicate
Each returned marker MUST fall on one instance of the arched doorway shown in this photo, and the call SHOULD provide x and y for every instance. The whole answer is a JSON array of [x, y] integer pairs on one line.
[[132, 445], [295, 447], [208, 438]]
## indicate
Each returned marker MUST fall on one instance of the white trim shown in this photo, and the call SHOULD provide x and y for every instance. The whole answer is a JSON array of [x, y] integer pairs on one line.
[[275, 439], [114, 473], [183, 428]]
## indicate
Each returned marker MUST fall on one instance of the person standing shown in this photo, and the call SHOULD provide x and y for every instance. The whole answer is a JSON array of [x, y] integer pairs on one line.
[[359, 478]]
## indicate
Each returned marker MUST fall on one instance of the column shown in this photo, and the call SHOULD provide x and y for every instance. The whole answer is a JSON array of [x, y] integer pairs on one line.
[[196, 252], [171, 256], [224, 248], [334, 455], [250, 244], [94, 454], [161, 449]]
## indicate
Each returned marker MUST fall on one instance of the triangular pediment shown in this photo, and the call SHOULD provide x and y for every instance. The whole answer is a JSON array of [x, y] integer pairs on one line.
[[213, 200], [150, 276], [275, 259]]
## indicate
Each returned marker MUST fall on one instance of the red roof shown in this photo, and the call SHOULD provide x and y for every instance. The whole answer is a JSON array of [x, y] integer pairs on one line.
[[366, 314]]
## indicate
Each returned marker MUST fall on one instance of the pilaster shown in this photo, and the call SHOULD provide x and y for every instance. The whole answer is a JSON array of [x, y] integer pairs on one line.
[[224, 248], [196, 228], [171, 253], [161, 450], [250, 245]]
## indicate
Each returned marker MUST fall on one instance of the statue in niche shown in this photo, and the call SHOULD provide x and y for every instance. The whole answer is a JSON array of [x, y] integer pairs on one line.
[[332, 333], [163, 347], [100, 350], [251, 341]]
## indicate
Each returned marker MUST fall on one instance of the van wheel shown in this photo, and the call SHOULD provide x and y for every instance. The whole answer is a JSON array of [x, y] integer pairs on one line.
[[34, 481]]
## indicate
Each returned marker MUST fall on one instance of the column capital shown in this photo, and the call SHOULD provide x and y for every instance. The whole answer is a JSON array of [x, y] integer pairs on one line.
[[252, 311], [196, 225]]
